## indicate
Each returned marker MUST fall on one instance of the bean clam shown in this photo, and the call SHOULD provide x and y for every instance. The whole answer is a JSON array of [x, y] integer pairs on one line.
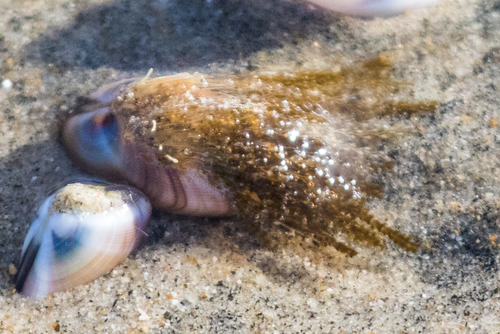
[[82, 232], [101, 142], [265, 147], [372, 7]]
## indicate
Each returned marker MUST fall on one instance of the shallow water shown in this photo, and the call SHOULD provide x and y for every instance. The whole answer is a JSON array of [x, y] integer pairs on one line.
[[197, 275]]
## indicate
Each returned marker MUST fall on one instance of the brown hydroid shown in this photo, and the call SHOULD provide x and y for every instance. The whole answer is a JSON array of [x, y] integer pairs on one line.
[[296, 150]]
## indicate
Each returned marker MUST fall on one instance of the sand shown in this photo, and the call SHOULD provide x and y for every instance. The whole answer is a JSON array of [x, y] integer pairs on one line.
[[206, 276]]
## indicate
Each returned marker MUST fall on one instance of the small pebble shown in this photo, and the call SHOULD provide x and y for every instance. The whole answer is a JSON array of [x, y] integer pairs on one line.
[[12, 269], [178, 304], [143, 316], [7, 84]]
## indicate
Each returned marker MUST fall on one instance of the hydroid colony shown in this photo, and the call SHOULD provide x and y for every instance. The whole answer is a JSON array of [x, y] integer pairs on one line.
[[286, 150]]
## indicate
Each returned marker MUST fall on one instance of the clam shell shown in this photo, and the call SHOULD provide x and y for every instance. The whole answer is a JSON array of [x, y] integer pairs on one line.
[[372, 8], [82, 232], [97, 143]]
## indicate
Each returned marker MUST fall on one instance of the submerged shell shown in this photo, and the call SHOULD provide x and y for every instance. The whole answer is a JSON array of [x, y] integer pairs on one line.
[[96, 142], [372, 7], [291, 152], [82, 232]]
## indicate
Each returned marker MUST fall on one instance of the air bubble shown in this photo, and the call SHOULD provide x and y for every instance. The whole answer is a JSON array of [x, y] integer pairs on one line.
[[292, 135], [322, 151]]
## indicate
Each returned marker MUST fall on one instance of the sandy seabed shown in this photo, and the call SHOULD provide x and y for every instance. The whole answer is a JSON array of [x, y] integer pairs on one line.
[[200, 276]]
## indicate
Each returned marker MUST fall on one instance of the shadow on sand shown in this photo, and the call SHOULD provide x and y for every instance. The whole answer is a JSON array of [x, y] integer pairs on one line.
[[175, 35]]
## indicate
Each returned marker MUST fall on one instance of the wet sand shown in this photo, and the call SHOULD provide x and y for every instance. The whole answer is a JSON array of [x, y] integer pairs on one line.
[[198, 275]]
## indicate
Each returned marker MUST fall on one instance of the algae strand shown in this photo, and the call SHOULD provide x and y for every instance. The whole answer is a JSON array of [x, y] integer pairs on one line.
[[274, 142]]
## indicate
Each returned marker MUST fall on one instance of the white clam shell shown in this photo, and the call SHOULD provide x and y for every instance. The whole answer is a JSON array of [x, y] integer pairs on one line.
[[81, 233], [372, 7]]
